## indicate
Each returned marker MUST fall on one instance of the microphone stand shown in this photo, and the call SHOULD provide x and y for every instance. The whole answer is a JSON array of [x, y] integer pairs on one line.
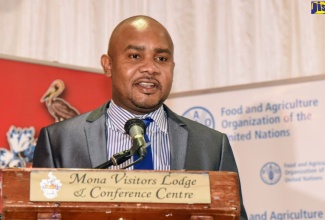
[[115, 160], [123, 156], [142, 151]]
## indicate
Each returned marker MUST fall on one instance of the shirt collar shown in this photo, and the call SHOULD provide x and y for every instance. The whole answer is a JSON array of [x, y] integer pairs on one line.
[[117, 117]]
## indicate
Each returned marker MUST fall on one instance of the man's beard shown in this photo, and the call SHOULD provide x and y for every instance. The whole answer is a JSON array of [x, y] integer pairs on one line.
[[147, 104]]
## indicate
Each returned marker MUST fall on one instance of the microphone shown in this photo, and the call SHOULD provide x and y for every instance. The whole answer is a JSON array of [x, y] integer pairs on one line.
[[136, 128]]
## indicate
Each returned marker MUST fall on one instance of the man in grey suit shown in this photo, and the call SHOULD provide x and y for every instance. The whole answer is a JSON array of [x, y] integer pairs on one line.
[[140, 64]]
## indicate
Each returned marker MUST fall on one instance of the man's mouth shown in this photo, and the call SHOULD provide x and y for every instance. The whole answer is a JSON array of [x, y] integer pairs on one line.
[[147, 84]]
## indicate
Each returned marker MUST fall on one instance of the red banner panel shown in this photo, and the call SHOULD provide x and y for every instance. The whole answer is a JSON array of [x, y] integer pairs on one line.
[[36, 95]]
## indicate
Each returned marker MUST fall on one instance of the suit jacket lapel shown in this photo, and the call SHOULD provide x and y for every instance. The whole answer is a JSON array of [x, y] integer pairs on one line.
[[95, 131], [178, 140]]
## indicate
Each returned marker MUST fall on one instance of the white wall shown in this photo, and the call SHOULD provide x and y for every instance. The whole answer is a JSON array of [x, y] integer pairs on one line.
[[218, 42]]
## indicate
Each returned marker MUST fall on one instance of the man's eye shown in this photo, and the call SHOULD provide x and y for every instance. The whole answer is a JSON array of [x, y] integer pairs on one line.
[[162, 59], [134, 56]]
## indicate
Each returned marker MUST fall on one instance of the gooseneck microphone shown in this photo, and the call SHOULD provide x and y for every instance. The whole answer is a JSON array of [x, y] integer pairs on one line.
[[136, 128]]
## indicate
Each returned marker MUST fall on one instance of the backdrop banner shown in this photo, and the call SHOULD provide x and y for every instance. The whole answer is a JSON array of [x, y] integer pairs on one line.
[[34, 95], [276, 130]]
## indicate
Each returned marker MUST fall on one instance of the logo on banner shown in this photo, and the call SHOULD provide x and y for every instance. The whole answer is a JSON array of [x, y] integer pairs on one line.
[[271, 173], [317, 7], [201, 115], [51, 186], [59, 108]]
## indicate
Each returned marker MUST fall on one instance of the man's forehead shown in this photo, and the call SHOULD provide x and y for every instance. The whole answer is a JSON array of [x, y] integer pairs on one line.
[[139, 31]]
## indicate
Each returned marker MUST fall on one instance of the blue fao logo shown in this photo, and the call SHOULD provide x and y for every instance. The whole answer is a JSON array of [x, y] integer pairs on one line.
[[271, 173], [201, 115]]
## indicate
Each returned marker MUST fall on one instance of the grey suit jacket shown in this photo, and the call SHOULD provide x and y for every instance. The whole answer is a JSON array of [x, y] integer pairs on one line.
[[80, 142]]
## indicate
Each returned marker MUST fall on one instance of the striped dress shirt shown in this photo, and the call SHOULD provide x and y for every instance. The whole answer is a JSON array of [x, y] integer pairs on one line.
[[118, 140]]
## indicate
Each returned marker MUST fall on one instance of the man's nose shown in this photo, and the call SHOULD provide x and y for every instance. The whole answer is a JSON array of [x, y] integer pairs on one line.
[[149, 66]]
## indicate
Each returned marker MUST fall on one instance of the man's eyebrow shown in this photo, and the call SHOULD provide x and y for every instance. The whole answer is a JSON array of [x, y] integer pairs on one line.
[[162, 50], [142, 48], [134, 47]]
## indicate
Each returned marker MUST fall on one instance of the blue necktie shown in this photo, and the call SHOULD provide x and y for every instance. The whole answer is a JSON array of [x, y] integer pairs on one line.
[[146, 163]]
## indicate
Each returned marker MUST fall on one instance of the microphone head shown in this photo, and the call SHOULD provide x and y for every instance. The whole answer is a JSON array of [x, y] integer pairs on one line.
[[132, 122]]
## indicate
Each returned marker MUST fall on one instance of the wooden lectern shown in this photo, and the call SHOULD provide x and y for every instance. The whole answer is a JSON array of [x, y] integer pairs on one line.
[[16, 204]]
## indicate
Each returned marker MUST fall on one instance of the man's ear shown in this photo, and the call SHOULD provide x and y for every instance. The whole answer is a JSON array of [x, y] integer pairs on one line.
[[106, 63]]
